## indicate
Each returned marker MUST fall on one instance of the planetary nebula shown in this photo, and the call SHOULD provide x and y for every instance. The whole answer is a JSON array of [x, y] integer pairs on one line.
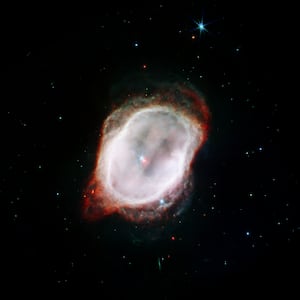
[[147, 146]]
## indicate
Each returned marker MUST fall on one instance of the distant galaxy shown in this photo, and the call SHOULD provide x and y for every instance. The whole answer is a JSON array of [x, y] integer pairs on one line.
[[147, 146]]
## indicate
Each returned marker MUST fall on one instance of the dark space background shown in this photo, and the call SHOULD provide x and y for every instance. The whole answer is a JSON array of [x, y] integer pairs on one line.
[[61, 75]]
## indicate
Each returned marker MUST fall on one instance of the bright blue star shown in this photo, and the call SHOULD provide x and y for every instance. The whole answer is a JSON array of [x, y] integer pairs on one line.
[[162, 201], [201, 26]]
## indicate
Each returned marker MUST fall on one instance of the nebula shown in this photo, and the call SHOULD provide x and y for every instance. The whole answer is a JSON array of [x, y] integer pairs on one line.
[[147, 146]]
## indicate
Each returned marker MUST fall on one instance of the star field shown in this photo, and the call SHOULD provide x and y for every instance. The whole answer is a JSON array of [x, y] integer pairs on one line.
[[61, 78]]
